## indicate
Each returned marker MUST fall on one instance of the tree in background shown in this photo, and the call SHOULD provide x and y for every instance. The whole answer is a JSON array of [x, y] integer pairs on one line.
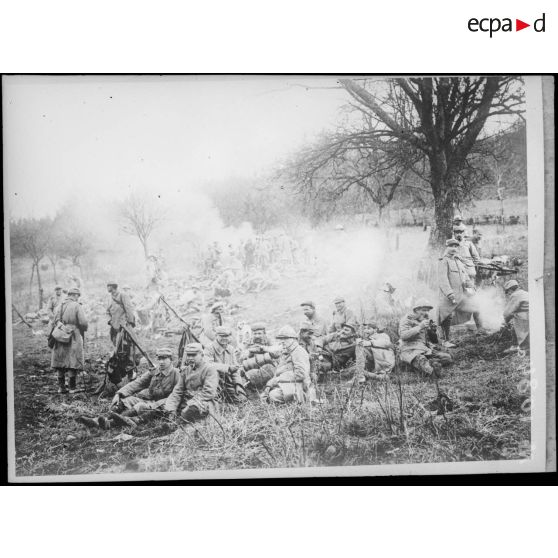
[[139, 218], [428, 127], [31, 238]]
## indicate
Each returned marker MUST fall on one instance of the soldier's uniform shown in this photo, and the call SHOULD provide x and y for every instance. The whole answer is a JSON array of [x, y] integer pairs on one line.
[[319, 326], [344, 317], [375, 356], [416, 349], [343, 348], [454, 280], [54, 301], [469, 256], [195, 395], [151, 389], [120, 311], [69, 357], [259, 375], [517, 312], [292, 377], [230, 383]]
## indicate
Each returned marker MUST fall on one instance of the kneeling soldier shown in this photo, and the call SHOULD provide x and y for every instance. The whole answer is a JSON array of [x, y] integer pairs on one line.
[[418, 341], [147, 393], [292, 377], [221, 352], [195, 394]]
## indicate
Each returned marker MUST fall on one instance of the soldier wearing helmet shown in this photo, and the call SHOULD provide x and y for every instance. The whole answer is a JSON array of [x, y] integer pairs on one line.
[[418, 343], [516, 313], [222, 353], [292, 380]]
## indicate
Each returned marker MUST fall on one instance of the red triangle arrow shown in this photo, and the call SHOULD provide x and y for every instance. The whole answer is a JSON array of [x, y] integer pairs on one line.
[[519, 25]]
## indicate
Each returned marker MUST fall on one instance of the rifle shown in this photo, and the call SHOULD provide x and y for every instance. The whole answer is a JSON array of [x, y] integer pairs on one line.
[[134, 340], [21, 317]]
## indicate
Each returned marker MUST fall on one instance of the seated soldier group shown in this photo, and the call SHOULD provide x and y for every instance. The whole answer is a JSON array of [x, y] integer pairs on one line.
[[282, 372]]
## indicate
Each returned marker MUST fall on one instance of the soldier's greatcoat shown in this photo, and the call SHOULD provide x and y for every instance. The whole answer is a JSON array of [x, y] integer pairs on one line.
[[453, 278], [292, 375], [197, 386], [120, 310], [413, 338], [70, 355]]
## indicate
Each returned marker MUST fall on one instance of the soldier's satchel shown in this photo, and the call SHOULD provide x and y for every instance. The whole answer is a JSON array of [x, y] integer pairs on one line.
[[62, 333]]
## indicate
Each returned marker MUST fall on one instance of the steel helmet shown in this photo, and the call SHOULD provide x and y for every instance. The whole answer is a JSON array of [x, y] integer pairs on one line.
[[286, 332]]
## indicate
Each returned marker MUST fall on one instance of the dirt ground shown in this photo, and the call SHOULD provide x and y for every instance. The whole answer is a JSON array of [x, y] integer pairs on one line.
[[485, 416]]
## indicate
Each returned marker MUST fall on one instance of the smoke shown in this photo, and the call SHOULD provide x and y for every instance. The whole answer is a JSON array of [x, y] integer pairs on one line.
[[491, 302]]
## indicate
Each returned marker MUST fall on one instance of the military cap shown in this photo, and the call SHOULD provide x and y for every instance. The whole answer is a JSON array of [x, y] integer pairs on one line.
[[126, 287], [511, 283], [193, 348], [305, 325], [112, 284], [164, 352], [258, 326], [57, 288], [216, 305], [452, 242], [458, 219], [74, 290], [222, 330], [422, 303], [350, 326], [338, 299], [286, 332], [459, 228], [308, 303], [370, 322]]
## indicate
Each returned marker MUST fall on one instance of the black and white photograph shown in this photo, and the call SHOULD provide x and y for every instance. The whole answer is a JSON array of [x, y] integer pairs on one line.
[[253, 276]]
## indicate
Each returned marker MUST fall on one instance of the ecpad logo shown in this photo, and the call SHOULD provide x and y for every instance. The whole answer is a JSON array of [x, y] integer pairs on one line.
[[494, 24]]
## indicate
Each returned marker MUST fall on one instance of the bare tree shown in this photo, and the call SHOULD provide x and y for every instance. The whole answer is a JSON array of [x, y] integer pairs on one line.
[[31, 238], [425, 126], [139, 218]]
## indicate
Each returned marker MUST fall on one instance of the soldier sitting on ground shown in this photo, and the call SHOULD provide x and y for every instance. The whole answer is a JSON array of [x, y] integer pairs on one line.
[[195, 395], [260, 358], [221, 352], [292, 380], [516, 313], [341, 315], [341, 346], [134, 401], [375, 356], [419, 340]]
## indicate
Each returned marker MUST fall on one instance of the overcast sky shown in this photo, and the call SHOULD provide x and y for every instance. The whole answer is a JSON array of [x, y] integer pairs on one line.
[[80, 137]]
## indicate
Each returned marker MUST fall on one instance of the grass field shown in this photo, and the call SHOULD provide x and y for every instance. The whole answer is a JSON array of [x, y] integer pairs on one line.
[[487, 416]]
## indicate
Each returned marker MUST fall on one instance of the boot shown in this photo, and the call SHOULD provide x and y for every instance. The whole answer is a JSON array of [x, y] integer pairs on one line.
[[122, 419], [105, 423], [88, 421], [72, 384], [62, 383]]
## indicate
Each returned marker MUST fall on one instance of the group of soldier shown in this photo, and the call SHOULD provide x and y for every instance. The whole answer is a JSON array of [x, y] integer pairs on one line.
[[217, 368]]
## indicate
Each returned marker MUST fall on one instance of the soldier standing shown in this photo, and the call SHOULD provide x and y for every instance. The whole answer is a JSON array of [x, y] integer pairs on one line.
[[120, 311], [68, 357], [456, 292], [467, 251], [54, 301]]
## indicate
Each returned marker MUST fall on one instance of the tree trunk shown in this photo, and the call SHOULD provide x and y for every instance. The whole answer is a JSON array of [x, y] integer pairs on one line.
[[40, 286], [443, 219]]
